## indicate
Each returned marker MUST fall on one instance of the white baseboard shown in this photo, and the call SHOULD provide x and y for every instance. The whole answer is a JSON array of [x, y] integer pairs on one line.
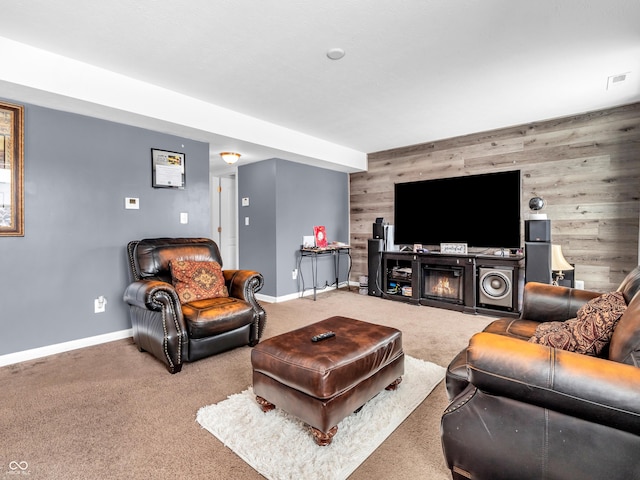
[[17, 357], [292, 296], [34, 353]]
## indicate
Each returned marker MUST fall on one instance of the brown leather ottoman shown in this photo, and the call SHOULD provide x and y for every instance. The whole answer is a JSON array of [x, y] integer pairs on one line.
[[323, 382]]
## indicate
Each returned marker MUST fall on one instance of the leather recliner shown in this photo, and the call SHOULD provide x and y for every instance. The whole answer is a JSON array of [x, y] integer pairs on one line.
[[176, 333], [520, 410]]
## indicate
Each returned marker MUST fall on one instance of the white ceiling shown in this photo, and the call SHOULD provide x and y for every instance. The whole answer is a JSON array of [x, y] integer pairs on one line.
[[414, 70]]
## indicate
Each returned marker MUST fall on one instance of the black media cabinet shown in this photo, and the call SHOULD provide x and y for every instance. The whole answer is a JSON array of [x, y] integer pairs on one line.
[[471, 283]]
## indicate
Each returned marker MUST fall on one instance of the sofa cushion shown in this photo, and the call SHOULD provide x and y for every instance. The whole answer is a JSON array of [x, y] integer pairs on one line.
[[625, 341], [196, 280], [590, 332]]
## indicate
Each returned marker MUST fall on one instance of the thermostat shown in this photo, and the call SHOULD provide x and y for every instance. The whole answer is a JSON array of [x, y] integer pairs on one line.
[[132, 203]]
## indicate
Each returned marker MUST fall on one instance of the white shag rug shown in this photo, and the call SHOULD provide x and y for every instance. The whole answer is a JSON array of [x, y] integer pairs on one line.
[[281, 447]]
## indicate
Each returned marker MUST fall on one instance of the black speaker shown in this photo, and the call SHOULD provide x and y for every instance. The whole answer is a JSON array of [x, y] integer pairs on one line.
[[537, 267], [495, 286], [375, 266], [378, 230], [537, 231]]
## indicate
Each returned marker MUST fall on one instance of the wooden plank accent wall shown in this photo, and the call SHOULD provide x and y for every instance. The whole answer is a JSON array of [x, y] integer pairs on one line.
[[586, 167]]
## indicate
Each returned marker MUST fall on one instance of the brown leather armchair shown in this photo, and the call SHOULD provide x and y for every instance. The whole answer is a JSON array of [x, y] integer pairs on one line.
[[528, 411], [176, 332]]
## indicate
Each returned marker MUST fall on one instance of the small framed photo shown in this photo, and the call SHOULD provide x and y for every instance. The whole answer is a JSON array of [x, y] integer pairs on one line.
[[308, 241], [320, 234], [167, 169]]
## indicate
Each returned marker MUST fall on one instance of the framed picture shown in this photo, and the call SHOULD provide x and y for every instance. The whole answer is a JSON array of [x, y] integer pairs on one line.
[[460, 248], [320, 234], [167, 169], [11, 170]]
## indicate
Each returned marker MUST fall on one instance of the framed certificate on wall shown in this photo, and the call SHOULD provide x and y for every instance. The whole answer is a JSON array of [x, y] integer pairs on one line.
[[167, 169]]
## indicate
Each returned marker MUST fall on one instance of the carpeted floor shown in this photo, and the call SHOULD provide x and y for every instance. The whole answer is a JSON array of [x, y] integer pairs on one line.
[[281, 447], [112, 412]]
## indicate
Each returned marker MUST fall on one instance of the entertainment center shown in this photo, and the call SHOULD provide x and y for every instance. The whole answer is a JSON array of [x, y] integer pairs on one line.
[[471, 283], [428, 217]]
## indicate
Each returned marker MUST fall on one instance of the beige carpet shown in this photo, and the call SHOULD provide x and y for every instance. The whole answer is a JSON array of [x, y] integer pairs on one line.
[[281, 447], [112, 412]]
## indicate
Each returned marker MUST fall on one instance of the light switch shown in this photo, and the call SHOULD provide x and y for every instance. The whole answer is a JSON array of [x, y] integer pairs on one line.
[[184, 217], [246, 220], [245, 201]]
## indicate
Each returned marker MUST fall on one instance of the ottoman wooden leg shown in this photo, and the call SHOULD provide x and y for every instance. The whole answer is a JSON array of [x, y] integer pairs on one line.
[[394, 385], [323, 439], [264, 405]]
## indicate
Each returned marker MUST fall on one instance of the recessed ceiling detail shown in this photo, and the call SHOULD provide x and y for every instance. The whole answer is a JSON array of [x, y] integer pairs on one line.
[[335, 53]]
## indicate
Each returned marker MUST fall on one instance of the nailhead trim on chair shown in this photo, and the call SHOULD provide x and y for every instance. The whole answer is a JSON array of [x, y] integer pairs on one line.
[[465, 399]]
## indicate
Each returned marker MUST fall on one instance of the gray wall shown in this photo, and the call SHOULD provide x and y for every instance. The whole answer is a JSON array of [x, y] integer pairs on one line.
[[78, 170], [287, 200]]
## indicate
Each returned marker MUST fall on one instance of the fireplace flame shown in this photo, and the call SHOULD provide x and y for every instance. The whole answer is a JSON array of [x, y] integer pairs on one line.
[[442, 288]]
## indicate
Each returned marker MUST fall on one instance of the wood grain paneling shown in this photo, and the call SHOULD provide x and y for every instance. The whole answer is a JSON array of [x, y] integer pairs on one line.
[[586, 167]]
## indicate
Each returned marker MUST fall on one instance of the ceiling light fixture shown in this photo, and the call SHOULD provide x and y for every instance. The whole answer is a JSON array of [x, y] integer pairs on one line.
[[335, 53], [230, 157]]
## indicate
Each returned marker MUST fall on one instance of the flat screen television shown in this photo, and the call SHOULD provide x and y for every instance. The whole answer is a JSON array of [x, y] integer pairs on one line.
[[480, 210]]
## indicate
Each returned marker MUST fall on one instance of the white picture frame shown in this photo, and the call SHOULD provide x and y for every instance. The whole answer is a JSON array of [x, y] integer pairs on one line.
[[457, 248]]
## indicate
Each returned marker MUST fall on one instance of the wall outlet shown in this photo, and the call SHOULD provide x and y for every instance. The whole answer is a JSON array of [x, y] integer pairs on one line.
[[100, 304], [294, 274]]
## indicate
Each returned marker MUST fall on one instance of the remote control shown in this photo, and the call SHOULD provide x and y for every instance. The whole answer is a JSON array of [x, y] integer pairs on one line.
[[322, 336]]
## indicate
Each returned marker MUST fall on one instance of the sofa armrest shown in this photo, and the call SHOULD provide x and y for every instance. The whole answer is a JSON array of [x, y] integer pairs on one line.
[[548, 303], [591, 388]]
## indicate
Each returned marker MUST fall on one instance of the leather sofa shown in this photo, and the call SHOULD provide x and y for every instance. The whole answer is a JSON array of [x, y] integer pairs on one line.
[[522, 410], [175, 330]]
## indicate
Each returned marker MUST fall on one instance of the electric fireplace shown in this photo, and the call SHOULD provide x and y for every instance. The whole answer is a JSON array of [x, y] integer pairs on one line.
[[443, 283]]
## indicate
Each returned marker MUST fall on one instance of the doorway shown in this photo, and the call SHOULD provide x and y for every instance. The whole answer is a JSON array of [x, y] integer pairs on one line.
[[224, 217]]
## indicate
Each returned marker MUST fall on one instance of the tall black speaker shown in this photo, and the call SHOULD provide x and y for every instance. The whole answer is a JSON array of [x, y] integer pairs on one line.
[[375, 266], [537, 262]]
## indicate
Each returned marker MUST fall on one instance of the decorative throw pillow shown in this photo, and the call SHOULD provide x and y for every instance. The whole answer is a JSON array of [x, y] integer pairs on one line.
[[589, 333], [197, 280]]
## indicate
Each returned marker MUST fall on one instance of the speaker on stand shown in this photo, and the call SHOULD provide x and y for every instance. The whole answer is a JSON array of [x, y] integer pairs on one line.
[[495, 287], [537, 262], [374, 253], [537, 251]]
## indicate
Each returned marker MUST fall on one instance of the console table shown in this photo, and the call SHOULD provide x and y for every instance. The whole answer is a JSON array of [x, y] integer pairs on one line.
[[313, 253]]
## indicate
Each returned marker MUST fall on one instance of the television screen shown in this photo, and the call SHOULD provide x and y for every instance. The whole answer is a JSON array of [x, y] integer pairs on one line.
[[479, 210]]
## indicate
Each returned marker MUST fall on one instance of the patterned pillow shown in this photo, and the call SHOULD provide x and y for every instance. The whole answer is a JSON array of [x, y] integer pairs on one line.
[[197, 280], [589, 333]]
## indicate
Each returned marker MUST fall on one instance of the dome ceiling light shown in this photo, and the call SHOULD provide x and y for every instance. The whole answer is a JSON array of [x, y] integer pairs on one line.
[[230, 157]]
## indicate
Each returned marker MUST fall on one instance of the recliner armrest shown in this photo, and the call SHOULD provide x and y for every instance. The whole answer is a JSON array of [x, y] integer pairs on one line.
[[548, 303], [243, 284], [151, 294], [591, 388]]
